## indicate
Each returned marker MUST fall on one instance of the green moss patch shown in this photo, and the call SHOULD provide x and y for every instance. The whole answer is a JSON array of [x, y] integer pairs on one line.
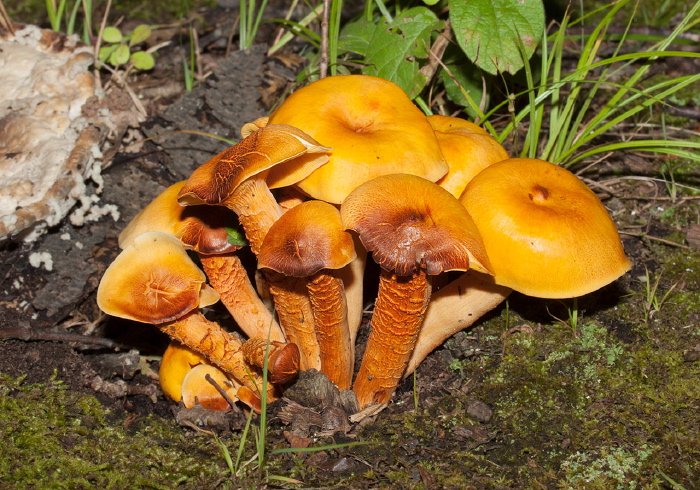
[[55, 438]]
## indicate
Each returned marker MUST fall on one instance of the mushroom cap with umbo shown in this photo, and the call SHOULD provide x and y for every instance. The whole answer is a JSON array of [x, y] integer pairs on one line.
[[306, 239], [547, 234], [467, 148], [410, 223], [153, 280], [373, 127]]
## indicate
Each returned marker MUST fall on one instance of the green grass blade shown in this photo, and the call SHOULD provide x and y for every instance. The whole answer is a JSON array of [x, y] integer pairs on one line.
[[296, 27], [590, 133], [243, 24], [384, 11], [533, 133], [680, 149], [241, 444], [334, 34], [225, 453]]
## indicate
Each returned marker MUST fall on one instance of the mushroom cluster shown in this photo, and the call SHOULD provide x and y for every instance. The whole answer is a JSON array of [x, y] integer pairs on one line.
[[347, 166]]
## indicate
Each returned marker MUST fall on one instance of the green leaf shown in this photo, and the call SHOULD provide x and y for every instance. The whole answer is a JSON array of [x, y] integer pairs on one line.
[[236, 236], [142, 60], [106, 52], [396, 49], [488, 31], [120, 55], [356, 36], [112, 35], [465, 78], [140, 34]]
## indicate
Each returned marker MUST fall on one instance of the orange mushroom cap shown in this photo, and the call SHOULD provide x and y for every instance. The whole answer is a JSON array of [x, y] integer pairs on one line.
[[467, 148], [198, 390], [153, 281], [373, 127], [200, 228], [547, 234], [307, 238], [410, 223]]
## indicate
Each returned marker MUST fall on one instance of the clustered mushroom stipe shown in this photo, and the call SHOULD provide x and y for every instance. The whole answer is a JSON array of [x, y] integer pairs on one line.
[[345, 166]]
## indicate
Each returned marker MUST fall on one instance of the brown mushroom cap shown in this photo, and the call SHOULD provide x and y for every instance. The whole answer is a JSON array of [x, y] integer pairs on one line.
[[373, 127], [307, 238], [153, 281], [410, 223], [467, 148], [200, 228], [546, 232], [283, 358]]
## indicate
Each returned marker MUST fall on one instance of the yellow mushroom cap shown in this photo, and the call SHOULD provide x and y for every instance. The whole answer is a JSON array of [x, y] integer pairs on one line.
[[373, 128], [467, 148], [547, 234], [410, 223], [307, 238], [177, 361], [153, 280]]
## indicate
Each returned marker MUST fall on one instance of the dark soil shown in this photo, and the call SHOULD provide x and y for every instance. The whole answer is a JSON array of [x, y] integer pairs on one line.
[[527, 398]]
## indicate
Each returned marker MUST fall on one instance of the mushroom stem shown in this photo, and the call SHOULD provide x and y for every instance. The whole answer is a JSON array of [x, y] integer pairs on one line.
[[398, 314], [230, 279], [294, 312], [452, 309], [353, 281], [329, 308], [209, 339], [256, 208]]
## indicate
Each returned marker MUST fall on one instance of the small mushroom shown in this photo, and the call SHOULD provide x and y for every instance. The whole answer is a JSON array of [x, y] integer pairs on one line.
[[310, 242], [198, 388], [154, 281], [182, 377], [414, 228], [467, 148], [282, 358], [203, 229]]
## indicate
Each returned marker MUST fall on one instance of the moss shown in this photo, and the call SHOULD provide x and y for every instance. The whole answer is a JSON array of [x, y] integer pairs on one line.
[[64, 441], [589, 405]]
